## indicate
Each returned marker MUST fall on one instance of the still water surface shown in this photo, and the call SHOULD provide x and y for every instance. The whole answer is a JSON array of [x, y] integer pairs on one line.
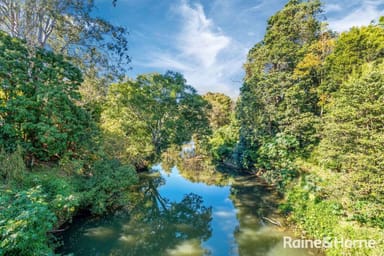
[[184, 212]]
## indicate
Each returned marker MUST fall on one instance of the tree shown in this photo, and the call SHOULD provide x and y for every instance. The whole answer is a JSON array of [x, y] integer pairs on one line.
[[353, 49], [68, 28], [221, 109], [277, 108], [153, 112], [352, 140], [291, 28], [38, 102]]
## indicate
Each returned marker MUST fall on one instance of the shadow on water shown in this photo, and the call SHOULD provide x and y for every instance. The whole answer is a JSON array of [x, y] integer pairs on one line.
[[187, 208], [259, 231], [152, 227]]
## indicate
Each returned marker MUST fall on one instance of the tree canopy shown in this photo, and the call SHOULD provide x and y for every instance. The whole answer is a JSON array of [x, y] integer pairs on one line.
[[221, 108], [277, 108], [68, 28], [38, 101], [153, 112]]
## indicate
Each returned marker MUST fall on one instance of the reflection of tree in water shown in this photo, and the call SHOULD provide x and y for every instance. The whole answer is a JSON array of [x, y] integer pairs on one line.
[[152, 226], [254, 201], [157, 225], [194, 169]]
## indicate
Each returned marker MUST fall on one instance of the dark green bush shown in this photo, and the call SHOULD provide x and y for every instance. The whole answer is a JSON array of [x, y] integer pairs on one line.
[[107, 186]]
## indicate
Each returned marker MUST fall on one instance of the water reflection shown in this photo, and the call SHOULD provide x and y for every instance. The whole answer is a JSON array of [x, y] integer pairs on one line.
[[255, 202], [155, 226], [194, 169], [190, 209]]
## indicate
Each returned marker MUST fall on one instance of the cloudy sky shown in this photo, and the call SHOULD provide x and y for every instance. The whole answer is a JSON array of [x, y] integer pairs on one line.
[[207, 40]]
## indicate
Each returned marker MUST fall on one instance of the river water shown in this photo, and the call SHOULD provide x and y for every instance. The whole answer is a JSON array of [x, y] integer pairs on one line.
[[187, 211]]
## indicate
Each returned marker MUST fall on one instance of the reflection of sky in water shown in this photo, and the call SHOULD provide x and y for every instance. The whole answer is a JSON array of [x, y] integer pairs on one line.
[[235, 230], [224, 222]]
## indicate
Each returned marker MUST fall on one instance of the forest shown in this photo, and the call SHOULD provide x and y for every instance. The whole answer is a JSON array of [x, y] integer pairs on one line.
[[76, 132]]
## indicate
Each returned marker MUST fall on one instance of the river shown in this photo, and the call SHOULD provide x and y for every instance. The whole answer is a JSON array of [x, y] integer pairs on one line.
[[187, 211]]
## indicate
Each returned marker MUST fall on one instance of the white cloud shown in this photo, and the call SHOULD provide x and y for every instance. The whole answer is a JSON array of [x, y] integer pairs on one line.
[[198, 38], [209, 59], [367, 11]]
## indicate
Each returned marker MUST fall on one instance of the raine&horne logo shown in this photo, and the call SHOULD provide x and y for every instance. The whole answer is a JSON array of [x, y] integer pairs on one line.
[[326, 242]]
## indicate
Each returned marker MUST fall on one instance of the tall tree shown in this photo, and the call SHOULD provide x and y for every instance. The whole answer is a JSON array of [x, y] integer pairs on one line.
[[38, 101], [222, 107], [69, 28], [153, 112], [352, 140], [352, 49], [277, 109]]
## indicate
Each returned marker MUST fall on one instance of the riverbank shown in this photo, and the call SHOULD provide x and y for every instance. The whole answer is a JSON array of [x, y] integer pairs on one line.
[[317, 207], [35, 205]]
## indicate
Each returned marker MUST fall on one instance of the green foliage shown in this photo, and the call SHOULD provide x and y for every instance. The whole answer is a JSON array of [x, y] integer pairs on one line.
[[353, 49], [59, 193], [38, 96], [221, 109], [46, 199], [381, 21], [69, 28], [278, 152], [25, 219], [353, 124], [12, 167], [280, 95], [107, 186], [279, 99], [291, 28], [310, 96], [320, 212], [143, 117], [222, 142], [353, 138]]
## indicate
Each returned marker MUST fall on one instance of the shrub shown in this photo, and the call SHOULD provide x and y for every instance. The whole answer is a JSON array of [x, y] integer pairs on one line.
[[25, 219], [320, 214], [59, 191], [107, 186]]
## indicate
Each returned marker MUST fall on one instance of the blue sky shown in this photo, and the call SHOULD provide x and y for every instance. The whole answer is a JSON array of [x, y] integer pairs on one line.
[[207, 40]]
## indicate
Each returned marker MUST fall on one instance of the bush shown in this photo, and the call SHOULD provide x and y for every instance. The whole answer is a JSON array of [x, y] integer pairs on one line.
[[223, 142], [107, 185], [278, 152], [59, 191], [25, 219], [319, 212]]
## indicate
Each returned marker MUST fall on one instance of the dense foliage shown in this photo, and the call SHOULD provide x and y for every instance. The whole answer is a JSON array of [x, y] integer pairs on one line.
[[221, 108], [25, 219], [309, 119], [278, 107], [69, 28], [143, 117], [352, 142], [38, 96], [311, 104], [50, 162], [107, 188], [219, 145]]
